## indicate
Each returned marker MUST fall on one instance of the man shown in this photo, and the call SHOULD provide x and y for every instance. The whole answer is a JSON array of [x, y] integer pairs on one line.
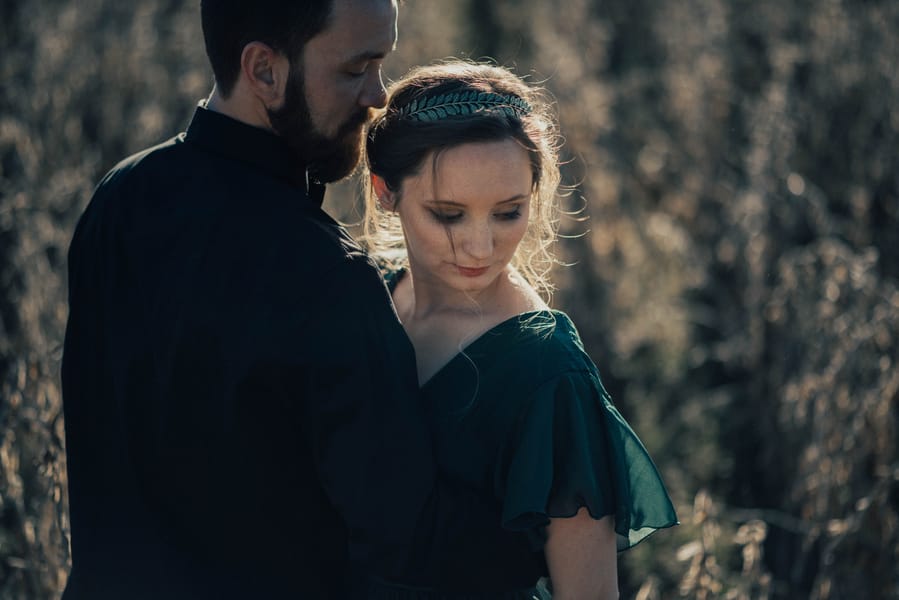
[[240, 400]]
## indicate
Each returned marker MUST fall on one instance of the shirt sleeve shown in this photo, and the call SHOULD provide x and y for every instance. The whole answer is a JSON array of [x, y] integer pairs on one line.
[[373, 450], [357, 409]]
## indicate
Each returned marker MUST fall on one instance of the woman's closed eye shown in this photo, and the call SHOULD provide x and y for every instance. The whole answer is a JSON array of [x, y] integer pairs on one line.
[[454, 216], [509, 215], [447, 216]]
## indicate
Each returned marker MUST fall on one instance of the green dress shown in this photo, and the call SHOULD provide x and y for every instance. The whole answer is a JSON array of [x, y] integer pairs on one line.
[[522, 415]]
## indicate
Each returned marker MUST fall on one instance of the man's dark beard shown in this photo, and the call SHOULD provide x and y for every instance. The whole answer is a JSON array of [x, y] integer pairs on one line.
[[328, 159]]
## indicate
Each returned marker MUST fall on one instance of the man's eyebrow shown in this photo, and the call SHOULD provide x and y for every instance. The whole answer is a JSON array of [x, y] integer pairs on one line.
[[367, 55]]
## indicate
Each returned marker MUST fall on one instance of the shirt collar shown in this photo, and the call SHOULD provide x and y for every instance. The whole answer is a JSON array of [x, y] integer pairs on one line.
[[263, 149]]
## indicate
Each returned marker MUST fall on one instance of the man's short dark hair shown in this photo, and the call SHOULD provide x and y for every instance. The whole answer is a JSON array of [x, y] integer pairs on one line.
[[285, 25]]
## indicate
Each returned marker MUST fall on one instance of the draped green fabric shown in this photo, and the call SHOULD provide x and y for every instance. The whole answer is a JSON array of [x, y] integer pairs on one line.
[[521, 414], [522, 409]]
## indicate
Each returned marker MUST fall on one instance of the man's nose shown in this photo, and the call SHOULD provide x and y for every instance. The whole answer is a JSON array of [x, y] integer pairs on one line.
[[374, 95]]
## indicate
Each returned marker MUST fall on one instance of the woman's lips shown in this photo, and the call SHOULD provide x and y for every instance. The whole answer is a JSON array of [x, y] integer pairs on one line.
[[471, 271]]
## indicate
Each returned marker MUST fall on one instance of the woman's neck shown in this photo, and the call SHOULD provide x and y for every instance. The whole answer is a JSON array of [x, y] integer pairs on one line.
[[429, 297], [422, 298], [441, 322]]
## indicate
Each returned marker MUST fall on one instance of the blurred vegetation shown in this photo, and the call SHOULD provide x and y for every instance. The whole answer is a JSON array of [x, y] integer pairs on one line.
[[735, 278]]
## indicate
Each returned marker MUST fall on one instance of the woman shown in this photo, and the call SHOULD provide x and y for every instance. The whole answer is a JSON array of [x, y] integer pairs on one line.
[[464, 157]]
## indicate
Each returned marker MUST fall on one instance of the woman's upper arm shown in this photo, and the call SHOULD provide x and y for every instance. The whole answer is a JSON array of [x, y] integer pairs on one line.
[[581, 554]]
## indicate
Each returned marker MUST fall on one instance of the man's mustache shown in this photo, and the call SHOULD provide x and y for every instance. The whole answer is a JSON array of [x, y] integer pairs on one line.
[[356, 121]]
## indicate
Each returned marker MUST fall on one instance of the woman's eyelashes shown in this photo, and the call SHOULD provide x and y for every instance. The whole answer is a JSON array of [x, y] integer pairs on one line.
[[510, 215], [447, 217]]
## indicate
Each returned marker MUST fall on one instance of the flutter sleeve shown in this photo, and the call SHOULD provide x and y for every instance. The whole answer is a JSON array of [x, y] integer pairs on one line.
[[571, 449]]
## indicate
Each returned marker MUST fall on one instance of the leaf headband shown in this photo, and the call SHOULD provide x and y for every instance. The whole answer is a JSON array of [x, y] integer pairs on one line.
[[435, 108]]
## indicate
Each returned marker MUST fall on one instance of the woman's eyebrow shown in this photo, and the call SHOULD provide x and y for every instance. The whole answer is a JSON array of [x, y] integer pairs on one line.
[[453, 203]]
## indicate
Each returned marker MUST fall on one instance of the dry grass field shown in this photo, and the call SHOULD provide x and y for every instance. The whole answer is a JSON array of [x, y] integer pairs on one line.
[[734, 260]]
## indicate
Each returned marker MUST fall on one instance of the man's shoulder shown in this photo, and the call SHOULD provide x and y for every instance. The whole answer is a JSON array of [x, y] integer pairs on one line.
[[152, 160], [323, 246]]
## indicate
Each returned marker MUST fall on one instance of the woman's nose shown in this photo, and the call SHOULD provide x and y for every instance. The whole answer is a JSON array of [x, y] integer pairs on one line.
[[479, 241]]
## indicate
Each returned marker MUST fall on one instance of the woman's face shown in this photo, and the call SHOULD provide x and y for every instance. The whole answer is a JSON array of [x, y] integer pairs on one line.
[[464, 219]]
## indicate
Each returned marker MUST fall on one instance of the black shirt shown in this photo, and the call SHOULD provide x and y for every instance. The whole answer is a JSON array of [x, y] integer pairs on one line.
[[240, 400]]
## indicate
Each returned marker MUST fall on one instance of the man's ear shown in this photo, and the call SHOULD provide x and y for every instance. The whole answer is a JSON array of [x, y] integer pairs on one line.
[[266, 72], [386, 198]]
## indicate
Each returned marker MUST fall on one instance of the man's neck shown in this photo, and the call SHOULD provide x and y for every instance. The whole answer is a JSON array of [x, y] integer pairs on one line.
[[239, 107]]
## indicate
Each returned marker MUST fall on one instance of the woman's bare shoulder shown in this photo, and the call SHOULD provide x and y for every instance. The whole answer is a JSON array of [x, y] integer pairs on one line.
[[520, 297]]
